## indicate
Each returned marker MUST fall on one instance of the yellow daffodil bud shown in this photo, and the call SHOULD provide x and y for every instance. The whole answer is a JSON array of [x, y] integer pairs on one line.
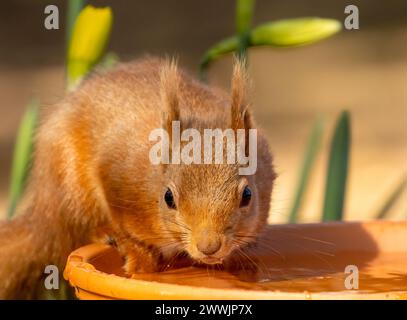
[[90, 35], [281, 33], [294, 32]]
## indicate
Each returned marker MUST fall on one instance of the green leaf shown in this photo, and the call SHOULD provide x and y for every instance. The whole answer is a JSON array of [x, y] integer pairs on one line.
[[311, 151], [74, 8], [22, 155], [337, 170], [278, 34], [392, 199], [294, 32]]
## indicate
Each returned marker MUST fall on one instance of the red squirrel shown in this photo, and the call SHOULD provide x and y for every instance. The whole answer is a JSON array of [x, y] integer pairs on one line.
[[91, 171]]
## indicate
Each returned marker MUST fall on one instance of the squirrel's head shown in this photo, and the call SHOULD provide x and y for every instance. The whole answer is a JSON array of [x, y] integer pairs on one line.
[[209, 209]]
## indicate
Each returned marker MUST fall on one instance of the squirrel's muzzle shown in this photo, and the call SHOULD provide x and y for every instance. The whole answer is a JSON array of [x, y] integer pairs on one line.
[[208, 243]]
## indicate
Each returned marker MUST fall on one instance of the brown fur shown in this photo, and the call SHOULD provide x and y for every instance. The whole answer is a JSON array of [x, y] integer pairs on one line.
[[91, 170]]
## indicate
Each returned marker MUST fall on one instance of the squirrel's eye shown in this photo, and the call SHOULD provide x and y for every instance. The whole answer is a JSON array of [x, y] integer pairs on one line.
[[169, 199], [246, 196]]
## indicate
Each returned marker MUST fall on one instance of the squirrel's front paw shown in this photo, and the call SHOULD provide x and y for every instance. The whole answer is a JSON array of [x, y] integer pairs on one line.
[[141, 261]]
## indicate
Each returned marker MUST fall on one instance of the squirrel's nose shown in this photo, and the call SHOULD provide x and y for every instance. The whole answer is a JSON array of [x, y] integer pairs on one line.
[[209, 245]]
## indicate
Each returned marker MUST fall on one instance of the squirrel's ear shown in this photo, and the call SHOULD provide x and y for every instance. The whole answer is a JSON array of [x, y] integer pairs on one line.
[[240, 117], [169, 86]]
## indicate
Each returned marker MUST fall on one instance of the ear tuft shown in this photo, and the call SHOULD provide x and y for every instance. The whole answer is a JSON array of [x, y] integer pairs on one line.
[[240, 116], [169, 83]]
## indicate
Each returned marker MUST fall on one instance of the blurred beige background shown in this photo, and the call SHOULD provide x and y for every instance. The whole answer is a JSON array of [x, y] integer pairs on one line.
[[364, 71]]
